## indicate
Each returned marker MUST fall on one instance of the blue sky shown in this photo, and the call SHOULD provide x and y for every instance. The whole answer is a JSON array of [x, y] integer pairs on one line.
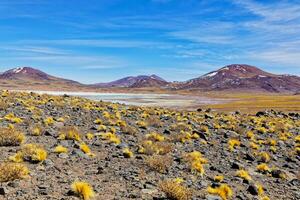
[[102, 40]]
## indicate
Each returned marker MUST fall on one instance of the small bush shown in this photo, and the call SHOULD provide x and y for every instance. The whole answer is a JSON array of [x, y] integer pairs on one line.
[[12, 118], [111, 138], [130, 130], [263, 168], [141, 124], [219, 178], [196, 162], [86, 149], [30, 152], [174, 190], [49, 121], [149, 147], [36, 130], [69, 133], [12, 171], [60, 149], [264, 157], [154, 122], [155, 137], [233, 143], [127, 153], [244, 175], [159, 163], [224, 191], [83, 190], [11, 137]]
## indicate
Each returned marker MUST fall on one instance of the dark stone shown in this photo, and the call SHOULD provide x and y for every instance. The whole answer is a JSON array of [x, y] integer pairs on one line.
[[249, 157], [207, 116], [235, 165], [201, 135], [252, 189], [3, 191], [70, 193], [260, 113], [295, 182], [277, 173]]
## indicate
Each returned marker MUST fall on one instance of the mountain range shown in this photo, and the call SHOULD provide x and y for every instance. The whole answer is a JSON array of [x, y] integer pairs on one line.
[[135, 82], [235, 77]]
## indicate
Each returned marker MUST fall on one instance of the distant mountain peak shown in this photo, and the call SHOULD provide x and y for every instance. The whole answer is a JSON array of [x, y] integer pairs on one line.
[[31, 75], [18, 70], [242, 77], [135, 81], [236, 71], [25, 73]]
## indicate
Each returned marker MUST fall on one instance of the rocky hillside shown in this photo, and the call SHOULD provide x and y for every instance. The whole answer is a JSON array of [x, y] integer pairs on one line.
[[242, 78], [135, 82], [61, 147], [31, 78]]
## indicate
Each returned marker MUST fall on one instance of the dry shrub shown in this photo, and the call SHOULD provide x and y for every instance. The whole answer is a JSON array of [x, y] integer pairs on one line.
[[240, 130], [37, 130], [176, 191], [30, 152], [83, 189], [130, 130], [12, 171], [3, 105], [70, 133], [160, 148], [180, 127], [159, 163], [11, 137], [154, 122]]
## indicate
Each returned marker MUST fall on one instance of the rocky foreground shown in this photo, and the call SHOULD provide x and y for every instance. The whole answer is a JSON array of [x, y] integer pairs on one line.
[[62, 147]]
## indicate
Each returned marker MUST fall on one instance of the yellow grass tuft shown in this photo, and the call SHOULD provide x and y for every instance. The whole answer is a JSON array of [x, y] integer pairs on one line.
[[89, 136], [86, 149], [30, 152], [12, 118], [224, 191], [60, 149], [264, 157], [127, 153], [244, 175], [11, 137], [155, 137], [233, 143], [83, 190], [69, 133], [263, 167], [159, 163], [219, 178], [49, 121], [174, 190], [12, 171]]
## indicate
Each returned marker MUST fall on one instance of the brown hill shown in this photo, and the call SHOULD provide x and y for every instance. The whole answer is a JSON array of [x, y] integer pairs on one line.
[[30, 78], [240, 77], [135, 82]]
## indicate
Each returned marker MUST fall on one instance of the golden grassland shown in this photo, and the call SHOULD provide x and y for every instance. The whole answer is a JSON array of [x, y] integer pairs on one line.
[[250, 103]]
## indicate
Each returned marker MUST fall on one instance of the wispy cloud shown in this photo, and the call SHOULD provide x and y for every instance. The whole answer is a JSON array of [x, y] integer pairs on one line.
[[35, 49], [110, 43], [277, 11]]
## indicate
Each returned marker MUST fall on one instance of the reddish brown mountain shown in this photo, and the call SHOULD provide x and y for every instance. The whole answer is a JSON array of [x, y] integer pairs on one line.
[[240, 77], [135, 82], [30, 78]]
